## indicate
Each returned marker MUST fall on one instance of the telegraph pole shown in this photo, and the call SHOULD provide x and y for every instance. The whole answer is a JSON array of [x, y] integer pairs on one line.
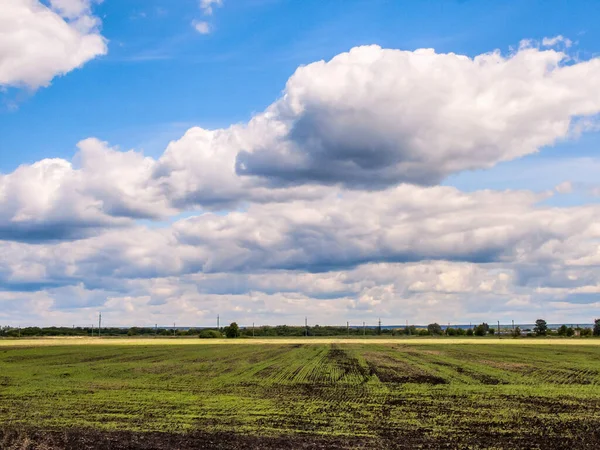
[[252, 329], [155, 329], [364, 330], [306, 326], [407, 328], [513, 326], [379, 327], [218, 323], [173, 328], [99, 323], [498, 328], [348, 328]]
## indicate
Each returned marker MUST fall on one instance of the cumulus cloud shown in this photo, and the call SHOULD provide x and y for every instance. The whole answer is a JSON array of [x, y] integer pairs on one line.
[[553, 41], [341, 231], [38, 43], [566, 187], [202, 27], [374, 117], [207, 5], [327, 202], [54, 199], [368, 119]]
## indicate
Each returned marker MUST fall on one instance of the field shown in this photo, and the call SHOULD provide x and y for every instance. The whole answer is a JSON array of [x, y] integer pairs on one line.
[[299, 394]]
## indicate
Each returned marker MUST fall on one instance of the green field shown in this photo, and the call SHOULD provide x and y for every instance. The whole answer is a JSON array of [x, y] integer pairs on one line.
[[379, 395]]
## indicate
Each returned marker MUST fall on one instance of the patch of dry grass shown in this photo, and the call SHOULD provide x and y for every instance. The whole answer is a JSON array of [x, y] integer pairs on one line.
[[60, 341]]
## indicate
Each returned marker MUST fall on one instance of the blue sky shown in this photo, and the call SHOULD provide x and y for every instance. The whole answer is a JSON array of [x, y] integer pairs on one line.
[[160, 76], [352, 196]]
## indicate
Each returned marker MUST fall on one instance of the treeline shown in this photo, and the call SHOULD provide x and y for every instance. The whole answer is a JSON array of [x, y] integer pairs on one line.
[[88, 331], [233, 330]]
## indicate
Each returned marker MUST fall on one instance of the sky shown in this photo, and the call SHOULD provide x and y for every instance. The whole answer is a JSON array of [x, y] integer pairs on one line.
[[271, 160]]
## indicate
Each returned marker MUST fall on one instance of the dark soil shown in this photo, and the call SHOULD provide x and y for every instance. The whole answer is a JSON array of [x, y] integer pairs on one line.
[[86, 439]]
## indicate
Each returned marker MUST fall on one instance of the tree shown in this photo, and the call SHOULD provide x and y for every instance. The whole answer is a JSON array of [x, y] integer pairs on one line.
[[541, 327], [597, 327], [232, 331], [470, 332], [434, 329], [562, 331]]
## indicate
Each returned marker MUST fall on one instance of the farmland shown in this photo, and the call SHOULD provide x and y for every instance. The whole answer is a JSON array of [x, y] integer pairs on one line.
[[300, 393]]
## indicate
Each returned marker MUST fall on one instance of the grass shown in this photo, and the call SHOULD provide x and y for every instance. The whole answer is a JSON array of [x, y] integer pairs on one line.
[[412, 391]]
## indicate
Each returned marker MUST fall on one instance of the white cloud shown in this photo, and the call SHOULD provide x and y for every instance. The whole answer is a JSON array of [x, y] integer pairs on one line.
[[553, 41], [375, 117], [56, 199], [323, 199], [207, 5], [37, 44], [202, 27], [370, 118], [566, 187], [73, 9]]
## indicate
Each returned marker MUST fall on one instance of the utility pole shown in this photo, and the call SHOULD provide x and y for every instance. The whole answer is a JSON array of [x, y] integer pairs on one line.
[[92, 330], [99, 323], [513, 326], [306, 326], [364, 330], [252, 329], [155, 329], [407, 328], [218, 323], [173, 328], [498, 328], [348, 328], [379, 327]]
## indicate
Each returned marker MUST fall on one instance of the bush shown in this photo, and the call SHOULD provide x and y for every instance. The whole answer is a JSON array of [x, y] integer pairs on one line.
[[470, 332], [597, 327], [517, 332], [210, 334], [461, 331], [570, 331], [451, 331], [586, 332], [410, 331], [480, 330], [562, 331], [423, 332]]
